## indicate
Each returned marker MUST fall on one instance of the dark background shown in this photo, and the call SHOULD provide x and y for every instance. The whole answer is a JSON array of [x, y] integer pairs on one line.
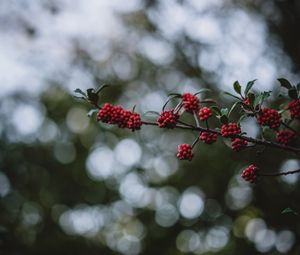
[[69, 185]]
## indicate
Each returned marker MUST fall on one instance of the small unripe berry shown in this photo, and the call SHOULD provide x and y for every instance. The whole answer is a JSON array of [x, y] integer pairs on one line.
[[230, 129], [238, 144], [294, 108], [185, 152], [190, 102], [285, 137], [208, 137], [269, 117], [205, 113], [250, 173], [167, 119]]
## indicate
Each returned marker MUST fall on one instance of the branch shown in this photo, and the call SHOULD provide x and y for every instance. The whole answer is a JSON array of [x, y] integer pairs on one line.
[[246, 138], [279, 174]]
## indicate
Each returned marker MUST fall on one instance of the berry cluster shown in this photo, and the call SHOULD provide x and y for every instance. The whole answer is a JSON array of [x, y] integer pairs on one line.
[[185, 152], [238, 144], [250, 173], [285, 137], [269, 117], [168, 119], [208, 137], [117, 115], [205, 113], [294, 108], [230, 129], [190, 102]]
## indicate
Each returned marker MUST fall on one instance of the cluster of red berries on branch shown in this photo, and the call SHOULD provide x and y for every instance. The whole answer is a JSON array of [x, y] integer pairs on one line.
[[269, 117], [285, 137], [251, 105], [119, 116], [294, 108], [250, 173]]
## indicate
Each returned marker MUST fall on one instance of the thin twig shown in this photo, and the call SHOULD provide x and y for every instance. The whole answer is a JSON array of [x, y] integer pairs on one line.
[[279, 174]]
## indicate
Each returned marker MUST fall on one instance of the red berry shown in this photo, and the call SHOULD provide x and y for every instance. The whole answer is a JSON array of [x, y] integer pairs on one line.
[[105, 113], [185, 152], [285, 137], [134, 121], [250, 173], [208, 137], [230, 129], [294, 108], [205, 113], [167, 119], [269, 117], [238, 144], [190, 102]]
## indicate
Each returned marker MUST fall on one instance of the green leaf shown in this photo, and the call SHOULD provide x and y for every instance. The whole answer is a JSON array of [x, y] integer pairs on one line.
[[249, 86], [293, 93], [224, 111], [298, 87], [237, 87], [224, 119], [251, 97], [289, 210], [169, 99], [216, 110], [285, 83], [92, 96], [151, 112], [233, 107], [92, 112], [175, 94], [101, 88], [202, 90], [79, 91], [229, 94]]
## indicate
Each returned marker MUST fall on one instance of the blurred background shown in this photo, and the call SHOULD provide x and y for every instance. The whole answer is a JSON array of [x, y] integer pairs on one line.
[[69, 185]]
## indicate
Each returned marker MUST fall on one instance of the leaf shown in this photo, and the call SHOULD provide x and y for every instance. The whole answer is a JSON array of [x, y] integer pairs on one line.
[[208, 100], [224, 111], [249, 86], [174, 94], [79, 91], [241, 118], [202, 90], [237, 87], [233, 107], [224, 119], [151, 112], [169, 99], [298, 87], [289, 210], [216, 109], [229, 94], [251, 97], [92, 112], [284, 83], [293, 93], [101, 88]]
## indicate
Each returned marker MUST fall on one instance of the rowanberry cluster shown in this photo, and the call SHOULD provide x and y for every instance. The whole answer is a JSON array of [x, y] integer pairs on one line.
[[250, 173], [205, 113], [269, 117], [238, 144], [208, 137], [117, 115], [230, 129], [190, 102], [185, 152], [168, 119], [294, 108], [285, 137]]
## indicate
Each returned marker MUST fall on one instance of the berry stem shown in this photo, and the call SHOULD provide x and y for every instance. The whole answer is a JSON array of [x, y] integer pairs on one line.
[[279, 174]]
